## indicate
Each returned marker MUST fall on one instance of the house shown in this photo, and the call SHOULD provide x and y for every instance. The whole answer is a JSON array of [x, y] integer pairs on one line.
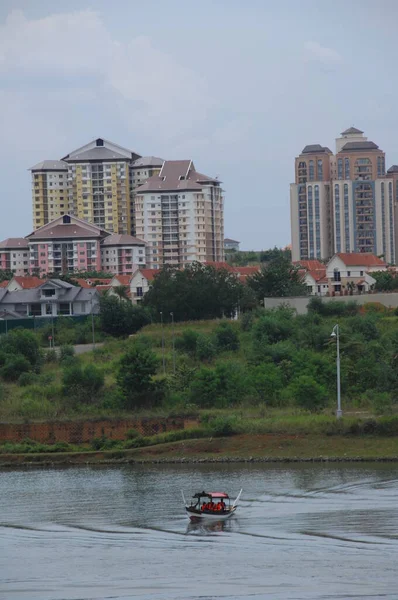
[[349, 273], [317, 282], [231, 245], [140, 283], [51, 299], [18, 283], [244, 272], [14, 255]]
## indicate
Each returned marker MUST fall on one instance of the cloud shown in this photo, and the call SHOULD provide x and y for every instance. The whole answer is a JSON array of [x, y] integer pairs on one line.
[[150, 89], [321, 53]]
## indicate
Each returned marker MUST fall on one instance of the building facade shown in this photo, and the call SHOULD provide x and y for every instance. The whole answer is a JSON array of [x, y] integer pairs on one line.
[[343, 202], [122, 254], [14, 255], [96, 183], [180, 215], [231, 245]]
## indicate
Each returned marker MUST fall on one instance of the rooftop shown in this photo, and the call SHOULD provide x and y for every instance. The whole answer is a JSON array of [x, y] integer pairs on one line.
[[50, 165], [393, 169], [231, 241], [351, 130], [100, 149], [359, 146], [315, 149], [148, 161], [122, 239], [359, 259], [14, 243], [176, 175], [28, 283]]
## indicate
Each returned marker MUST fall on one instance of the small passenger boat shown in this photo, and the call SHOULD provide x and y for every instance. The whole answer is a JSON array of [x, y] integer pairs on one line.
[[211, 505]]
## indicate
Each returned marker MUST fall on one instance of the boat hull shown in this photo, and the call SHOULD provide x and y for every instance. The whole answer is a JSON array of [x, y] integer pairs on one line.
[[199, 516]]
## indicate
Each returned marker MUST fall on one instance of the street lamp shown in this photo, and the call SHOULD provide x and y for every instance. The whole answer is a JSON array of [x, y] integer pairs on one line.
[[336, 333], [52, 323], [92, 319], [174, 349], [163, 357]]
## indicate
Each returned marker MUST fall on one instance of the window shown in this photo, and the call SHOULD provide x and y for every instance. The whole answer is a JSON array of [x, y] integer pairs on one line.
[[361, 273], [337, 216], [139, 292], [347, 168], [48, 293], [35, 310], [320, 170], [340, 168], [64, 308], [348, 273], [346, 219]]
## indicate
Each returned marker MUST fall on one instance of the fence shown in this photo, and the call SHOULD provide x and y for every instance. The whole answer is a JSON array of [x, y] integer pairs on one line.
[[37, 322]]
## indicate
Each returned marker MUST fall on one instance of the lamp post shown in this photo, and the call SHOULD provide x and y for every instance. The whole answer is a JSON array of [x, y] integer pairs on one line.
[[92, 319], [52, 324], [163, 357], [174, 349], [336, 333]]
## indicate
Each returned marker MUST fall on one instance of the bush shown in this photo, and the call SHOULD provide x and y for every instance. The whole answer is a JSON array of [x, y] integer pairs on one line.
[[223, 426], [23, 343], [133, 434], [332, 308], [27, 378], [205, 349], [226, 337], [135, 377], [82, 384], [246, 321], [307, 393], [66, 352], [187, 341], [50, 356], [204, 387], [15, 365]]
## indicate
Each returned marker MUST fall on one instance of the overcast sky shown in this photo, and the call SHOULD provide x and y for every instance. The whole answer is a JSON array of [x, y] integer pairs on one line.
[[239, 87]]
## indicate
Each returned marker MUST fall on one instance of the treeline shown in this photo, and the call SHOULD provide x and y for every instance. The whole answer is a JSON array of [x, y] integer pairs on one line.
[[243, 258]]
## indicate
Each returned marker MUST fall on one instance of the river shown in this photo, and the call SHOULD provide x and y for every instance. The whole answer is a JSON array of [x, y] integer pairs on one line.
[[301, 532]]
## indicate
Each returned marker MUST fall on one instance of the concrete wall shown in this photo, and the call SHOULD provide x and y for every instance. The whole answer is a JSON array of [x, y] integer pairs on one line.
[[83, 432], [300, 303]]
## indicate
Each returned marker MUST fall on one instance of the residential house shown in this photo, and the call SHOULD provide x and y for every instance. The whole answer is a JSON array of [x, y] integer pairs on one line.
[[230, 244], [140, 283], [52, 298], [18, 283], [349, 273]]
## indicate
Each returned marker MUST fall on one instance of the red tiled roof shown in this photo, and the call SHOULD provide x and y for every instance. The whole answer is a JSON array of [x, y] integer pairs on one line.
[[219, 265], [123, 279], [247, 270], [309, 265], [318, 274], [101, 289], [83, 283], [355, 259], [4, 283], [149, 274], [28, 283]]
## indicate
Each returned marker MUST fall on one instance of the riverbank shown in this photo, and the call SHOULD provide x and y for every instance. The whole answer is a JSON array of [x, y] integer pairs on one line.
[[240, 448]]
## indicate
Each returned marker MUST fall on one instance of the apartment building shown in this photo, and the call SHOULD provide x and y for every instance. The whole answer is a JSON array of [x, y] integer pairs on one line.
[[180, 215], [14, 255], [49, 191], [343, 202], [122, 254]]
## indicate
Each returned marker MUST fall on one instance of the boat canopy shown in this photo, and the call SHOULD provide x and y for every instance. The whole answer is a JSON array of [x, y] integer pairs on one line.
[[211, 495]]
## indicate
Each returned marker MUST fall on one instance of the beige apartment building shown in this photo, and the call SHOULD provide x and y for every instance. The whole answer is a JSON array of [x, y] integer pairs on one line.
[[96, 183], [180, 215], [343, 202]]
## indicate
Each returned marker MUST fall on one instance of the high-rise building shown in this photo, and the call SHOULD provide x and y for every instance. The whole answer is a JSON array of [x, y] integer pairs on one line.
[[49, 191], [343, 202], [180, 215]]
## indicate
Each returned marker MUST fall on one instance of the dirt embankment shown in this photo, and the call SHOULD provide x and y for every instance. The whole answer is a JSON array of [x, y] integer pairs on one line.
[[242, 448]]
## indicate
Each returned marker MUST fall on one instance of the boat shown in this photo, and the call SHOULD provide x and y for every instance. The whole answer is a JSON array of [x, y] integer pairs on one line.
[[200, 506]]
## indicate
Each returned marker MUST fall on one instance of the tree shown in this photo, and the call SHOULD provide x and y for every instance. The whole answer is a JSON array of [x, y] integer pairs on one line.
[[22, 342], [121, 318], [135, 377], [307, 393], [82, 384], [121, 292], [280, 278], [226, 337], [196, 292]]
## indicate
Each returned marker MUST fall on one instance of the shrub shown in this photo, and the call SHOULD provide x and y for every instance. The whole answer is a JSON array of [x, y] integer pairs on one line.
[[223, 426], [23, 343], [205, 349], [50, 356], [246, 321], [272, 328], [82, 384], [204, 387], [27, 378], [226, 337], [266, 382], [66, 352], [307, 393], [15, 365], [133, 434], [135, 377], [187, 341]]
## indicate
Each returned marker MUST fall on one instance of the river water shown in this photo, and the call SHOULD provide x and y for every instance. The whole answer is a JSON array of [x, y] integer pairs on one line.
[[301, 532]]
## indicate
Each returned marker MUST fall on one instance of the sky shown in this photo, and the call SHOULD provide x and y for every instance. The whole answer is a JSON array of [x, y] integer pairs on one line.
[[238, 87]]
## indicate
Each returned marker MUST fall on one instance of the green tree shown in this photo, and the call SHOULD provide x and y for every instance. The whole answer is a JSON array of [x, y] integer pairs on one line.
[[135, 377], [196, 292], [278, 279], [22, 342], [226, 337], [121, 318], [307, 393], [82, 384], [121, 292], [267, 383], [15, 365], [204, 388]]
